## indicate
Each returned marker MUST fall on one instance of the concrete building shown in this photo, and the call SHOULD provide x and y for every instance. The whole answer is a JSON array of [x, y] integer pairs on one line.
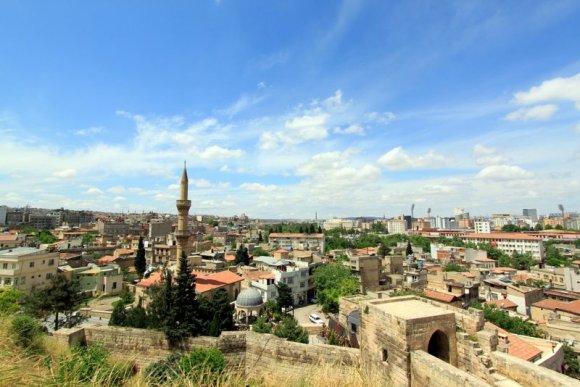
[[297, 241], [112, 229], [26, 267], [565, 278], [510, 242], [482, 227], [93, 279], [3, 213], [296, 274], [367, 268], [396, 226], [159, 228], [532, 213], [500, 220]]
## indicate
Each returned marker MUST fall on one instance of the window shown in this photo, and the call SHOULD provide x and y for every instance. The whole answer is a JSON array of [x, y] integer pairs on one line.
[[48, 276], [7, 281], [51, 262], [290, 280], [385, 355], [31, 264], [4, 266], [302, 284], [114, 285]]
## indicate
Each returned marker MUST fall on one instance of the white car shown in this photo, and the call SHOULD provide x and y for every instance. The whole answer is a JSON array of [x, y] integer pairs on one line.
[[315, 319]]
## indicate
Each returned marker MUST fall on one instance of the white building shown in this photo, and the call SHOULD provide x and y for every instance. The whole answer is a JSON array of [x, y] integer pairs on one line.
[[396, 226], [27, 267], [510, 242], [482, 227], [297, 241], [295, 274], [3, 213], [500, 220]]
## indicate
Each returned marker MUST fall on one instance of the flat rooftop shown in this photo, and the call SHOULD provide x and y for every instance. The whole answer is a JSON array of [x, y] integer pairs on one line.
[[17, 251], [412, 309]]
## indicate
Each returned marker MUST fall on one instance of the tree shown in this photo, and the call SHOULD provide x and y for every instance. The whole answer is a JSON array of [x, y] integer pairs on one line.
[[522, 261], [262, 325], [511, 324], [510, 228], [383, 250], [285, 299], [260, 252], [46, 237], [454, 267], [87, 239], [118, 316], [140, 262], [332, 281], [538, 227], [60, 296], [290, 330], [319, 229], [260, 238], [549, 227], [553, 256], [137, 318], [409, 250], [242, 256], [185, 305], [9, 300], [216, 313]]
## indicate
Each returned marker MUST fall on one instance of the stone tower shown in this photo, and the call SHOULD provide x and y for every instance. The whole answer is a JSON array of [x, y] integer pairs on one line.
[[183, 206]]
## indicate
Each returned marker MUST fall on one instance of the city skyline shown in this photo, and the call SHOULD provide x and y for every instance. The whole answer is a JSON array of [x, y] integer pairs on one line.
[[284, 110]]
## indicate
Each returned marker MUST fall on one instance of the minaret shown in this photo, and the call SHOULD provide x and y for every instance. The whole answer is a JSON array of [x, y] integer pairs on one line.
[[183, 206]]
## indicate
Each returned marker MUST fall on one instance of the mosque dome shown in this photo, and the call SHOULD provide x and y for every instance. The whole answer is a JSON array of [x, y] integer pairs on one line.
[[249, 297]]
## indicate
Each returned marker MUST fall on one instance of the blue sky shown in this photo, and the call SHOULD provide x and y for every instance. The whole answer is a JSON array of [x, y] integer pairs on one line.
[[284, 108]]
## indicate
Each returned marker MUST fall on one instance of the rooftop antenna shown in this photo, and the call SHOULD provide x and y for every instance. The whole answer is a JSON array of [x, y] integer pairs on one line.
[[412, 210], [429, 212], [561, 208]]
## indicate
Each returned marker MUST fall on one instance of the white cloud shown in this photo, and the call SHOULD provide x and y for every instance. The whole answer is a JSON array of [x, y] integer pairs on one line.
[[565, 89], [352, 129], [504, 173], [257, 187], [65, 173], [380, 118], [118, 189], [435, 189], [94, 191], [200, 183], [307, 127], [217, 152], [540, 112], [488, 156], [398, 159], [89, 131], [119, 199], [245, 102]]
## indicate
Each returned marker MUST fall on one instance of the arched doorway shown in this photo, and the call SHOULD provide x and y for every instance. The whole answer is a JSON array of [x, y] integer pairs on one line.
[[439, 345]]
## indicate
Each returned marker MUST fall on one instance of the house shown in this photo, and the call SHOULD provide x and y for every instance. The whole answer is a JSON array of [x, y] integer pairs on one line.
[[93, 279], [296, 274], [503, 303], [542, 308], [9, 241], [297, 241], [564, 278], [27, 268], [444, 297], [522, 296]]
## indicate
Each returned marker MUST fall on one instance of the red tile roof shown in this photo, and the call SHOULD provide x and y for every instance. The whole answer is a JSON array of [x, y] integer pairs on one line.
[[281, 251], [440, 296], [7, 238], [570, 307], [207, 282], [106, 259], [503, 303], [502, 235], [485, 260], [259, 274], [153, 279], [499, 270], [124, 251], [517, 347], [230, 257]]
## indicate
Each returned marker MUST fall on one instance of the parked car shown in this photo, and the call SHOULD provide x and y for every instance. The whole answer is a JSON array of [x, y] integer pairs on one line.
[[315, 319]]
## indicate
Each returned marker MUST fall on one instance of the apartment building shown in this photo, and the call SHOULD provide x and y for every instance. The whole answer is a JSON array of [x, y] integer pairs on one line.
[[26, 267], [396, 226], [564, 278], [510, 242], [367, 268], [482, 227], [296, 274], [112, 228], [297, 241], [95, 279]]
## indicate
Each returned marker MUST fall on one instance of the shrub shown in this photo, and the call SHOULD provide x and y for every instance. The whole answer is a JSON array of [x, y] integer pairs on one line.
[[262, 325], [90, 365], [9, 298], [27, 333], [290, 330], [207, 364]]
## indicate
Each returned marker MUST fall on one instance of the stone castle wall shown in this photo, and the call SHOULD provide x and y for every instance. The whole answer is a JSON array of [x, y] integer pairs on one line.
[[528, 374], [428, 370]]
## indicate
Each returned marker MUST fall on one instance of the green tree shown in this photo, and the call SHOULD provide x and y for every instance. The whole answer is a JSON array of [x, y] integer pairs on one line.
[[61, 295], [538, 227], [140, 262], [522, 261], [260, 238], [553, 256], [9, 300], [511, 324], [26, 332], [260, 252], [137, 318], [285, 299], [88, 239], [290, 330], [332, 281], [216, 313], [184, 320], [383, 250], [119, 316], [161, 304], [242, 256], [549, 227], [510, 228], [311, 229], [454, 267], [409, 250], [262, 325], [46, 237]]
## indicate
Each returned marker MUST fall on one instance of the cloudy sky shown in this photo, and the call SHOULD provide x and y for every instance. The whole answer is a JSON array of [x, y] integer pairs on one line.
[[284, 108]]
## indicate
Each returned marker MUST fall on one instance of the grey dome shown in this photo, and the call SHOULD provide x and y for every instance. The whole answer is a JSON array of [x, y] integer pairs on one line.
[[249, 297]]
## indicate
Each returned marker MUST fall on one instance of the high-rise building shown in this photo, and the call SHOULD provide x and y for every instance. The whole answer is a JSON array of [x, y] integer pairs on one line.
[[3, 213], [183, 206], [531, 213]]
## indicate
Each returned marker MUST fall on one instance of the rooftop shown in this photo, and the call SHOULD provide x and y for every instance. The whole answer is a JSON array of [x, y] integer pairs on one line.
[[412, 309], [517, 347], [570, 307], [502, 235], [503, 304], [440, 296], [295, 235], [18, 251]]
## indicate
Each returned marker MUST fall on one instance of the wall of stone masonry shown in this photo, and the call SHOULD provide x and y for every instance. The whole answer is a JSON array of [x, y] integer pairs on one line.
[[269, 355], [472, 358], [427, 370], [385, 334], [470, 320], [528, 374]]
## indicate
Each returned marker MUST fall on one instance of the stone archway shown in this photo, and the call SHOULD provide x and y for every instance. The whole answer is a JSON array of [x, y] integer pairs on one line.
[[439, 345]]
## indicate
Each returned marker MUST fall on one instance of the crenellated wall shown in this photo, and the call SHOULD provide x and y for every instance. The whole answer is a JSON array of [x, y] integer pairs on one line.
[[428, 370]]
